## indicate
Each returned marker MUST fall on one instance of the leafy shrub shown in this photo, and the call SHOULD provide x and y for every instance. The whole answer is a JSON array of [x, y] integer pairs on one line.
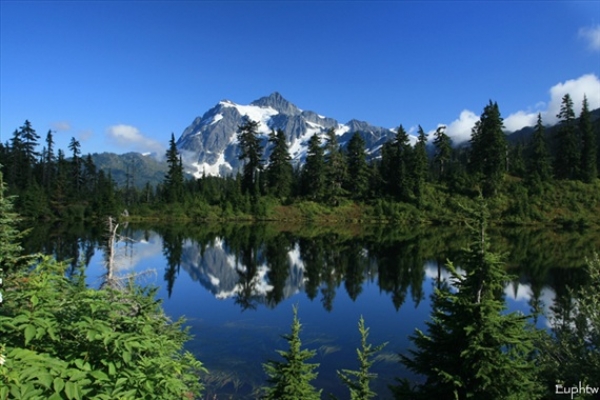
[[62, 340]]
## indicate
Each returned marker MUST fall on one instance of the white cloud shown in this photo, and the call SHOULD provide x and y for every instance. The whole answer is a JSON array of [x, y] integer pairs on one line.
[[61, 126], [592, 36], [586, 85], [460, 130], [130, 137], [518, 120]]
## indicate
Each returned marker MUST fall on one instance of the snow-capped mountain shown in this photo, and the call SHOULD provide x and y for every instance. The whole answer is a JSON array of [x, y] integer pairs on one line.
[[209, 145]]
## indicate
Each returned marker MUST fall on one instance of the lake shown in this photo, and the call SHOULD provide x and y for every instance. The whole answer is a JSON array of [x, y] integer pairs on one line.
[[236, 285]]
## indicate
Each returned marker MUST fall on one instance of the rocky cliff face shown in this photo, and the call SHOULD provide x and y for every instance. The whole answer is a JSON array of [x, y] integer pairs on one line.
[[209, 145]]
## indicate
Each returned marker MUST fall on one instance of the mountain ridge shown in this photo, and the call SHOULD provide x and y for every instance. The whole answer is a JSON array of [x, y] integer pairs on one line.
[[209, 144]]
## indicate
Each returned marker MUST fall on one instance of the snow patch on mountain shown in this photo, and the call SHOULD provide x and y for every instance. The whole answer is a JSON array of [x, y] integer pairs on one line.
[[200, 169], [255, 113], [216, 119], [341, 129]]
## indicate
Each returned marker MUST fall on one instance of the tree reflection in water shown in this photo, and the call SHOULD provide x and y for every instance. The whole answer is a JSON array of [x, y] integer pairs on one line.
[[272, 263]]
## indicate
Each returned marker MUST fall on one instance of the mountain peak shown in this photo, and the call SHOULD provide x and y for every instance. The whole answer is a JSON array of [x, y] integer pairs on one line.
[[210, 144], [276, 101]]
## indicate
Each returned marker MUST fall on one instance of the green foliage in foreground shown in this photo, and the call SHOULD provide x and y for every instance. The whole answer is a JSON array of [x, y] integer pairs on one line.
[[62, 340], [358, 382], [290, 379], [473, 349]]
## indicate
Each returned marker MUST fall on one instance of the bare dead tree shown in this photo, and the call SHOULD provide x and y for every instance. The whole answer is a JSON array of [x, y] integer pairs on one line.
[[111, 279]]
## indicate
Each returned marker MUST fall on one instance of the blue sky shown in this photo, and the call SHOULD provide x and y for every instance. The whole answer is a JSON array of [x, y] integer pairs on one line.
[[122, 76]]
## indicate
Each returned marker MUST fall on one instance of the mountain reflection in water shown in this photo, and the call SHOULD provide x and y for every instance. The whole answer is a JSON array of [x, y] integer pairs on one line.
[[236, 285]]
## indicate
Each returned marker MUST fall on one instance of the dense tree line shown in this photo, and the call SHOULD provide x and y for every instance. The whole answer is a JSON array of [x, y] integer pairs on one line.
[[52, 184]]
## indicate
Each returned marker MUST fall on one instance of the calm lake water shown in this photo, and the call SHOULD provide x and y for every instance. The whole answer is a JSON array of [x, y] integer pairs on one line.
[[236, 286]]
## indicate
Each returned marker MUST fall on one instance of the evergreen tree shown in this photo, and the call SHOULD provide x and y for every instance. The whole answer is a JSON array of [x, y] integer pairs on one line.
[[358, 169], [250, 152], [489, 152], [89, 176], [443, 152], [105, 202], [376, 183], [30, 141], [421, 165], [76, 163], [567, 160], [335, 167], [313, 172], [279, 171], [539, 166], [401, 163], [290, 379], [358, 382], [49, 161], [473, 348], [516, 163], [386, 168], [18, 166], [589, 148], [173, 183], [60, 184]]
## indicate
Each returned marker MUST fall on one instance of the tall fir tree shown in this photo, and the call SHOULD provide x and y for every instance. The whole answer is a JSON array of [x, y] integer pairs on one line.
[[421, 165], [443, 152], [357, 182], [30, 141], [539, 167], [18, 166], [173, 182], [473, 349], [279, 171], [291, 379], [60, 184], [386, 168], [401, 164], [313, 172], [568, 156], [89, 176], [335, 168], [251, 154], [49, 162], [76, 170], [488, 157], [589, 147]]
